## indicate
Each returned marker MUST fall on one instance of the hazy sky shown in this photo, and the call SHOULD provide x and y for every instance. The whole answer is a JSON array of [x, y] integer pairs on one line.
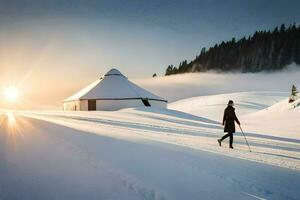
[[50, 49]]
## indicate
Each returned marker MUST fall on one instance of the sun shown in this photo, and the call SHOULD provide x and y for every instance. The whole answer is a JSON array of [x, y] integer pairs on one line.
[[11, 93]]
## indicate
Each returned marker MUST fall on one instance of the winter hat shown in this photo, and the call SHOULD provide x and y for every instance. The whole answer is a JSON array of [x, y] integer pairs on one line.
[[230, 103]]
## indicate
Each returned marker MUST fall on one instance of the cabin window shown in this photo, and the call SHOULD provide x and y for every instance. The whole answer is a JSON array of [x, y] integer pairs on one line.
[[91, 104], [146, 102]]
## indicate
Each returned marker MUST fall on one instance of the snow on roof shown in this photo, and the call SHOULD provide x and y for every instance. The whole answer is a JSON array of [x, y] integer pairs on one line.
[[113, 72], [82, 92], [114, 85]]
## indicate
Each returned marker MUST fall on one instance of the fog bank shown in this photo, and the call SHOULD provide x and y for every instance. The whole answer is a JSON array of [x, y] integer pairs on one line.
[[182, 86]]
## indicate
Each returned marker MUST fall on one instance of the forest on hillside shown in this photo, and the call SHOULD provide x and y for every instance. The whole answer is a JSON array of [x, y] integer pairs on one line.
[[262, 51]]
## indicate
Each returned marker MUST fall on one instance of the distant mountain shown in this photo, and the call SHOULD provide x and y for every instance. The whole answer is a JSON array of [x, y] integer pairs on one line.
[[263, 51]]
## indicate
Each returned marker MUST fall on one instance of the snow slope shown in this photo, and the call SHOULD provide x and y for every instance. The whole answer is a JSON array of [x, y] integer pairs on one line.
[[266, 113], [139, 154], [111, 159], [178, 128], [212, 106], [281, 119]]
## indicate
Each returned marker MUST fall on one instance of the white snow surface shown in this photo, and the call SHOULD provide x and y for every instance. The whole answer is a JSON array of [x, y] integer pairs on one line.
[[139, 153], [280, 119], [212, 106], [267, 113]]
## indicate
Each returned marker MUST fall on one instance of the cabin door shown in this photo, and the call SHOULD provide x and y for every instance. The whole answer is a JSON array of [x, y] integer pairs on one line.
[[91, 104]]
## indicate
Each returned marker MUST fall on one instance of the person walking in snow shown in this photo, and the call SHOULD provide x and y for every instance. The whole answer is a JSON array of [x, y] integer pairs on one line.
[[228, 122]]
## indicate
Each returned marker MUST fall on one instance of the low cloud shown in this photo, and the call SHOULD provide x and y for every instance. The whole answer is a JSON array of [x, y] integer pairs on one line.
[[182, 86]]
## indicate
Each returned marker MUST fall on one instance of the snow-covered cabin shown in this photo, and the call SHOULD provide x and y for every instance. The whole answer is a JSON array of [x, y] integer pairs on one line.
[[113, 91]]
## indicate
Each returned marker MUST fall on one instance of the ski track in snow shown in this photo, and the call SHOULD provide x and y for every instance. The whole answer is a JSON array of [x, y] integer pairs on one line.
[[193, 132], [140, 154]]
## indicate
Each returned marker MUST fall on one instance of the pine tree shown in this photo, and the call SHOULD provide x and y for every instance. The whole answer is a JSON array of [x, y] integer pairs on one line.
[[169, 70], [264, 50], [294, 93]]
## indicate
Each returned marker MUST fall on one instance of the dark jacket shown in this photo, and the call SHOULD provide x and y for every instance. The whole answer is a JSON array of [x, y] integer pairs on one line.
[[228, 119]]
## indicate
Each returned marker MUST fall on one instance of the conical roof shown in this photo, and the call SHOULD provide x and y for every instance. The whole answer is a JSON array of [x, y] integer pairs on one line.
[[113, 86], [112, 72]]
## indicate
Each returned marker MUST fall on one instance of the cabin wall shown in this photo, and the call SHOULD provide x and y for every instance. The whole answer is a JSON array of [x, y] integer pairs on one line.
[[84, 105], [72, 106], [111, 105]]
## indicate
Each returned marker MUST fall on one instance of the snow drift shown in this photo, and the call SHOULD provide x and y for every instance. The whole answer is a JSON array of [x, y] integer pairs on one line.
[[212, 106], [281, 119]]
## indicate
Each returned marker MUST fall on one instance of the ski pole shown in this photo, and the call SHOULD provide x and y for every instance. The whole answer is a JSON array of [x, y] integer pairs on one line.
[[245, 137]]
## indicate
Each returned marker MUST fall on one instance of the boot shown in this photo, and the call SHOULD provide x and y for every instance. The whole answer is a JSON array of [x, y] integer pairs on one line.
[[220, 141]]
